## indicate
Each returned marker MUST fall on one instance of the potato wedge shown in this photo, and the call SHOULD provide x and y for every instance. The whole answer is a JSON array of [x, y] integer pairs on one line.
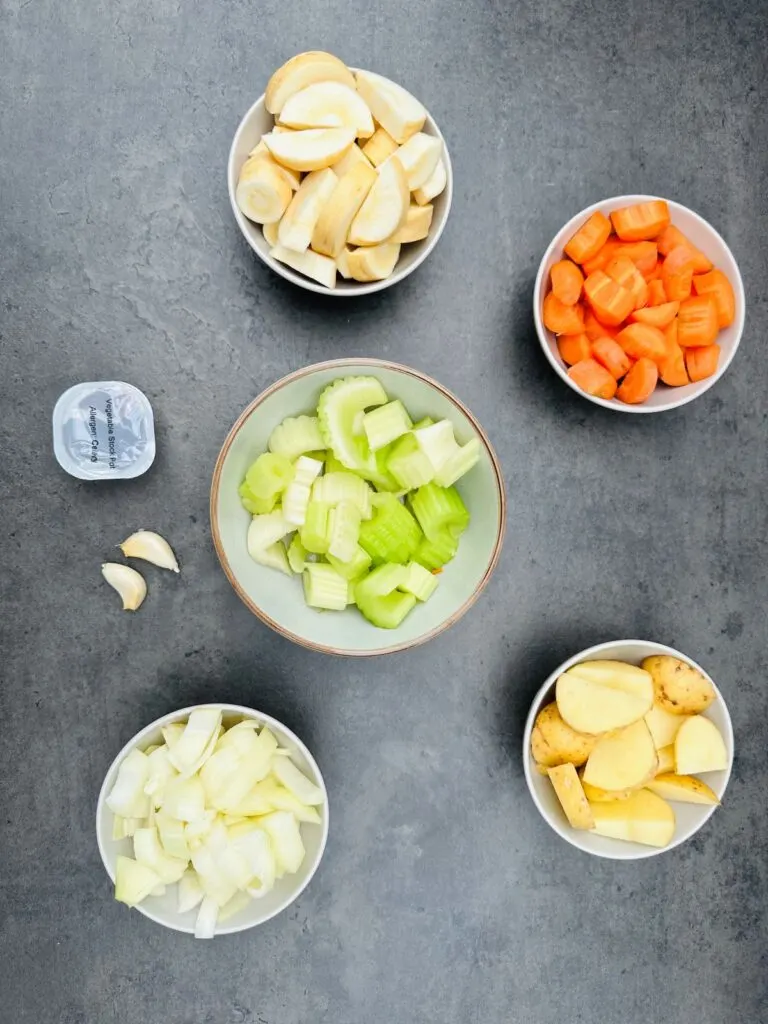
[[571, 796], [394, 108], [679, 688], [385, 207], [595, 795], [699, 747], [684, 788], [623, 759], [598, 696], [666, 758], [301, 71], [330, 234], [553, 742], [663, 725], [643, 818]]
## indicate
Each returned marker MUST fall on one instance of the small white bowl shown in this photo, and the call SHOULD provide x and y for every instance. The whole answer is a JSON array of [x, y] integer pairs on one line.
[[256, 122], [163, 909], [704, 237], [689, 817]]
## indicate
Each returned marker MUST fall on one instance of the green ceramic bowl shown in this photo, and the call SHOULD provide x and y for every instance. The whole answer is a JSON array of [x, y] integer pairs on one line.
[[278, 600]]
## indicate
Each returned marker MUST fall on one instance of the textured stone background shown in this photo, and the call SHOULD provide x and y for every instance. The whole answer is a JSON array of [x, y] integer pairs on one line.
[[443, 896]]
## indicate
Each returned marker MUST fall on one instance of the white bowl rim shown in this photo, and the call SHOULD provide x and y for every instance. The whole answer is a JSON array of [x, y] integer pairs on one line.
[[233, 709], [541, 330], [625, 851], [339, 364], [363, 288]]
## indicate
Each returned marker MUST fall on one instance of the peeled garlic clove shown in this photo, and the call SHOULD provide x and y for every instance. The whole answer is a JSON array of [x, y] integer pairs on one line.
[[151, 547], [129, 584]]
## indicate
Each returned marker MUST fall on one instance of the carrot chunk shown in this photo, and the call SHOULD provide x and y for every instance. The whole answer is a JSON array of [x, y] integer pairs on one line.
[[567, 280], [672, 367], [642, 221], [697, 321], [623, 271], [593, 378], [639, 382], [717, 284], [656, 294], [600, 259], [589, 239], [671, 237], [573, 348], [677, 273], [643, 254], [611, 302], [702, 362], [656, 316], [641, 341], [612, 356], [562, 319]]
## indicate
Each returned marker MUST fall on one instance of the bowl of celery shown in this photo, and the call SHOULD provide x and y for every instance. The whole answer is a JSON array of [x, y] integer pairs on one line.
[[357, 507]]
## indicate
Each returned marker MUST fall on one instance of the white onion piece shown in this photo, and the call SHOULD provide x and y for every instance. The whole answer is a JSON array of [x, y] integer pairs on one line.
[[190, 891], [200, 733], [205, 925], [127, 797], [133, 881], [307, 792]]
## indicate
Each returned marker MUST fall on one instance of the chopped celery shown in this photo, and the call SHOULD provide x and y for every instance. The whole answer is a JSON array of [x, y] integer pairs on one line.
[[266, 530], [296, 497], [420, 582], [459, 463], [333, 488], [427, 421], [256, 506], [332, 464], [437, 441], [438, 509], [337, 409], [392, 535], [378, 599], [314, 531], [408, 464], [380, 476], [324, 587], [274, 557], [268, 476], [343, 530], [386, 424], [296, 436], [297, 554], [354, 567], [382, 581], [435, 552]]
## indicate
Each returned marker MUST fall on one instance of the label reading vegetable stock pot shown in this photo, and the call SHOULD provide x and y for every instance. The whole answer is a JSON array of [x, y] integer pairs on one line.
[[104, 430]]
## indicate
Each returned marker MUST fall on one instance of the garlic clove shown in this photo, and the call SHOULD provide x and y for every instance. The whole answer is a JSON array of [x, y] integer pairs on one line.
[[129, 584], [150, 547]]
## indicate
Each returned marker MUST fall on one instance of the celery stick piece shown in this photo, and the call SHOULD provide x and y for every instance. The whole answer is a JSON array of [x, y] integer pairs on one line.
[[256, 506], [439, 508], [382, 581], [427, 421], [354, 567], [297, 554], [324, 587], [459, 463], [420, 582], [296, 436], [314, 531], [434, 553], [268, 476], [263, 533], [296, 497], [386, 612], [337, 410], [437, 442], [386, 424], [343, 530], [408, 464], [392, 535], [333, 488]]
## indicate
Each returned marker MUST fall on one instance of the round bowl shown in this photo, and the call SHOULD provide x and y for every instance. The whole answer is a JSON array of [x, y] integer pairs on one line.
[[689, 817], [256, 122], [706, 238], [163, 909], [278, 600]]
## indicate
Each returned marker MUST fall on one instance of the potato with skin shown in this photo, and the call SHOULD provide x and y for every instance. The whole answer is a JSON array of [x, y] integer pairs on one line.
[[685, 789], [666, 758], [598, 696], [595, 795], [623, 759], [571, 796], [699, 747], [663, 725], [554, 743], [679, 688], [643, 818]]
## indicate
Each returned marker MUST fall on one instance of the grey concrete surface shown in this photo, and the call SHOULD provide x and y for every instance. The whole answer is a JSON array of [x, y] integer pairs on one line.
[[443, 896]]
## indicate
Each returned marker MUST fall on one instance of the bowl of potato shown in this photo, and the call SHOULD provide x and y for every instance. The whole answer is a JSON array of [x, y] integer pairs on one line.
[[628, 749], [339, 179]]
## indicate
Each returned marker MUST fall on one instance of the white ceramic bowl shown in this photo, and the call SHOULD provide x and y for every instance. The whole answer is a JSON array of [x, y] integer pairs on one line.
[[163, 909], [689, 817], [256, 122], [704, 236]]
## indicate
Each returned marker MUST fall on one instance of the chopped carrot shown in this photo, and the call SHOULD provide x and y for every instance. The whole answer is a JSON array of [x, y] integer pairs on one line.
[[702, 362], [593, 378], [600, 259], [672, 367], [594, 329], [717, 284], [656, 294], [643, 254], [562, 319], [697, 321], [656, 316], [641, 341], [641, 221], [677, 273], [639, 382], [612, 356], [653, 275], [671, 237], [611, 302], [623, 271], [573, 348], [567, 280], [589, 239]]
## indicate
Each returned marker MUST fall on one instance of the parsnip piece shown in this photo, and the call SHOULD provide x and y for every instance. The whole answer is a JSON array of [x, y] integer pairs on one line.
[[309, 150], [416, 225], [320, 268], [385, 207], [298, 223], [434, 186], [373, 262], [396, 110], [328, 105], [301, 71], [332, 227], [380, 146], [419, 157]]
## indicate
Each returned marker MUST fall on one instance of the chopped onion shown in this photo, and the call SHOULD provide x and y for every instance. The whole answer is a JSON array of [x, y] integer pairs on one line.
[[147, 850], [205, 925], [190, 891], [184, 799], [133, 881], [307, 792], [127, 797], [201, 731]]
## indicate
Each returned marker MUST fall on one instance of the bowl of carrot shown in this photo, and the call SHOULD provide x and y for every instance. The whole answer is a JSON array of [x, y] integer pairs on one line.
[[639, 304]]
